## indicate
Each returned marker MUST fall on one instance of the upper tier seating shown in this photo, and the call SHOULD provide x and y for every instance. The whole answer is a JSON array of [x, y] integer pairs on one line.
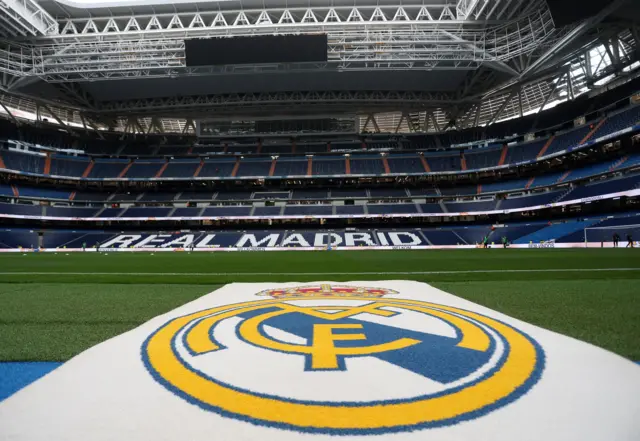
[[605, 187], [291, 167], [187, 212], [23, 162], [217, 168], [444, 162], [108, 168], [524, 152], [469, 206], [328, 166], [158, 196], [366, 165], [70, 212], [267, 211], [308, 210], [483, 158], [271, 195], [43, 193], [392, 208], [571, 138], [349, 209], [227, 211], [21, 209], [64, 165], [254, 167], [181, 168], [618, 121], [141, 170], [405, 163], [146, 212], [531, 201], [336, 193]]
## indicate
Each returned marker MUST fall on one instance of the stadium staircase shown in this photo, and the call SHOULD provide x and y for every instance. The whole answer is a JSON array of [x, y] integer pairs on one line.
[[99, 213], [462, 241], [563, 177], [498, 204], [385, 164], [425, 164], [443, 206], [618, 163], [529, 183], [47, 164], [562, 196], [2, 162], [197, 172], [173, 210], [554, 232], [503, 155], [592, 131], [545, 147], [419, 208], [88, 169]]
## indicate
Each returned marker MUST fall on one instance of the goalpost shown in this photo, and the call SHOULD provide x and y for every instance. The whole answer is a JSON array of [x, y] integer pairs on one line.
[[603, 236]]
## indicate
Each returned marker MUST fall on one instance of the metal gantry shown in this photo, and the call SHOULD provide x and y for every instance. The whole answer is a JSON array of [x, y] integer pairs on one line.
[[516, 59], [362, 37]]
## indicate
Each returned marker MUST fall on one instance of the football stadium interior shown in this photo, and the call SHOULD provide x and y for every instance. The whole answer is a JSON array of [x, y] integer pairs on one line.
[[488, 147]]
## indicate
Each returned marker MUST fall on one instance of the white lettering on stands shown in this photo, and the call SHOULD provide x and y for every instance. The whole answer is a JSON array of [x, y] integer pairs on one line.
[[152, 241], [350, 239], [383, 240], [181, 242], [295, 239], [271, 240], [124, 241], [204, 243], [319, 240], [395, 238]]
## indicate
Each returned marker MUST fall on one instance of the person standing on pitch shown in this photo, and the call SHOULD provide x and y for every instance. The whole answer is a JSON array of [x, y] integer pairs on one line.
[[84, 246], [485, 242], [616, 239], [629, 240], [505, 242]]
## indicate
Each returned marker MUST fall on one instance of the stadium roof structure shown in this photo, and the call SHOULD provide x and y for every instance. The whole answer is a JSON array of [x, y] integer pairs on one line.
[[410, 65]]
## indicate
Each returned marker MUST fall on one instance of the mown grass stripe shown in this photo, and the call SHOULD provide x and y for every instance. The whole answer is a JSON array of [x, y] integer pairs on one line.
[[327, 273]]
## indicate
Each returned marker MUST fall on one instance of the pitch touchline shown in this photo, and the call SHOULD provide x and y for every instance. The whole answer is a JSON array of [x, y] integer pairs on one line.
[[399, 273]]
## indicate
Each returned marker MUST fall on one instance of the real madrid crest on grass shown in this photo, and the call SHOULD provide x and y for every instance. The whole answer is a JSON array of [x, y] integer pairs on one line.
[[294, 358]]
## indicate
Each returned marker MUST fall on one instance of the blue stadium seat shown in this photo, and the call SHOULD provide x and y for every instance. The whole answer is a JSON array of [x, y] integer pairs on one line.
[[254, 167], [64, 165], [334, 166], [70, 211], [349, 209], [23, 162], [141, 170], [392, 208], [308, 210], [291, 167], [181, 168], [405, 163], [227, 211]]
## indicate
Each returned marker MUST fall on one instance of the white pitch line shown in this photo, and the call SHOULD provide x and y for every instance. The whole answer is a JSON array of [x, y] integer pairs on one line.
[[330, 273]]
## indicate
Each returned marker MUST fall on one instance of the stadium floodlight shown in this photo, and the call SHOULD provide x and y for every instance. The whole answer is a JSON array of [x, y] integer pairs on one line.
[[595, 237]]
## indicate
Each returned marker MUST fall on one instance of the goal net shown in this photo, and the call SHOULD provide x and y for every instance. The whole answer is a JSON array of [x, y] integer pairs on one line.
[[604, 236]]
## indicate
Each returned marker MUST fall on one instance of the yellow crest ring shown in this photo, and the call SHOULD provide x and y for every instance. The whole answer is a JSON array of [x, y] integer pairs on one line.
[[519, 368]]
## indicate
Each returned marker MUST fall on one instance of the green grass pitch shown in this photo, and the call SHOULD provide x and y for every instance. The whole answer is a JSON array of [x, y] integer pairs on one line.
[[53, 306]]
